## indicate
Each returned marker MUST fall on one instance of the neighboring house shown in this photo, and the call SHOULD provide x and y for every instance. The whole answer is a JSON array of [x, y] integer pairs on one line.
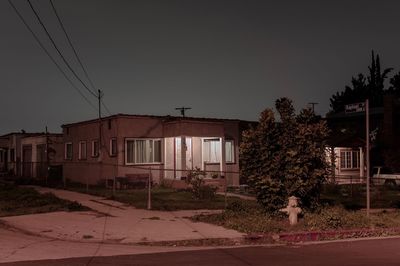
[[25, 154], [129, 145], [347, 141]]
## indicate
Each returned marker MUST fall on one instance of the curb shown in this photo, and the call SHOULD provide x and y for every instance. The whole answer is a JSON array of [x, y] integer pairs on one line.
[[315, 236]]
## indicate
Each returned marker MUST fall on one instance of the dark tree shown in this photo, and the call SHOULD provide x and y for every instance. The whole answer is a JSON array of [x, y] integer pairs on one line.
[[286, 158], [394, 87], [362, 88]]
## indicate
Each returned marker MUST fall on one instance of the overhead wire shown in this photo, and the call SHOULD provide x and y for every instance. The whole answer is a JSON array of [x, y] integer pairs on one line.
[[71, 45], [76, 53], [49, 55], [58, 50]]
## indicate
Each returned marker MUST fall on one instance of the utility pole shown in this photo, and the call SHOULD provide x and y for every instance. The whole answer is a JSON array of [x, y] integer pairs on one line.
[[100, 94], [47, 156], [183, 109], [367, 154], [313, 106]]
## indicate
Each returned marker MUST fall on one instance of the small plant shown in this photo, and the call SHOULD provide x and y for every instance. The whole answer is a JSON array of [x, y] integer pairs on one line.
[[198, 187]]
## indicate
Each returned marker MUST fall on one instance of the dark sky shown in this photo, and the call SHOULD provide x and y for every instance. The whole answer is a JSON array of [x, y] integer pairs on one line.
[[225, 59]]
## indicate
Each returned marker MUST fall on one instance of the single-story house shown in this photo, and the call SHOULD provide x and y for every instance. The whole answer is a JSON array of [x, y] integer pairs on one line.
[[165, 147], [348, 138], [25, 154]]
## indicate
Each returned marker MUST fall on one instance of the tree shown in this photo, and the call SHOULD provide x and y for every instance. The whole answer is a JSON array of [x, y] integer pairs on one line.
[[281, 159], [370, 87], [395, 85]]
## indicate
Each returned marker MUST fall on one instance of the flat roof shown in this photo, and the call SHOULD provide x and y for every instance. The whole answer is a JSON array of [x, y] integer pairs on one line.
[[165, 117]]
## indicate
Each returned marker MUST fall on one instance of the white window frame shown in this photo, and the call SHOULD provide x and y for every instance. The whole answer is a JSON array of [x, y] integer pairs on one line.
[[98, 148], [66, 151], [111, 147], [217, 154], [135, 151], [232, 153], [346, 161], [82, 155]]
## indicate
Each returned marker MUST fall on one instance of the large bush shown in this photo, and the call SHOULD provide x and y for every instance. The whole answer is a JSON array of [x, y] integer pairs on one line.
[[281, 159]]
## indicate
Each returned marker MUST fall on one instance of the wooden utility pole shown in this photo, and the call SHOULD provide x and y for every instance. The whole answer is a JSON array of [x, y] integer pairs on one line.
[[47, 157], [99, 96], [182, 110], [313, 106], [367, 154]]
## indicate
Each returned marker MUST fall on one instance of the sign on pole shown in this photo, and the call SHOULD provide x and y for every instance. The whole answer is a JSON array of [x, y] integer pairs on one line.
[[355, 107]]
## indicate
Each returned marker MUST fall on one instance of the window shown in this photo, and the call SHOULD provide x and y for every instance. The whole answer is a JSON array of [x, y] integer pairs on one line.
[[95, 148], [113, 147], [68, 151], [350, 159], [139, 151], [211, 150], [82, 150], [109, 123], [229, 151]]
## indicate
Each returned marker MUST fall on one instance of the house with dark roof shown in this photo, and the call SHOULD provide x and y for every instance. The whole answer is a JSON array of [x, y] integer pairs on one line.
[[166, 148]]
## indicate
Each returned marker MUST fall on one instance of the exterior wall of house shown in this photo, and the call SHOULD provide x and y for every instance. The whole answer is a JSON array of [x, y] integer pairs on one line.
[[130, 128], [34, 161]]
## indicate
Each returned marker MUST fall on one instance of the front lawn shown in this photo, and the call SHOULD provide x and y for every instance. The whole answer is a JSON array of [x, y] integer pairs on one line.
[[252, 219], [162, 198], [15, 200], [353, 196]]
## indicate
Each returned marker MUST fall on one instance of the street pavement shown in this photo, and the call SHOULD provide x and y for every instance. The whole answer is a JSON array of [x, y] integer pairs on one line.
[[363, 252], [113, 222]]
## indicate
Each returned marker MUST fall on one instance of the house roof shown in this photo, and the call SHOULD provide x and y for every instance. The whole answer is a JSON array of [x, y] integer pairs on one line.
[[339, 139], [30, 134], [167, 118]]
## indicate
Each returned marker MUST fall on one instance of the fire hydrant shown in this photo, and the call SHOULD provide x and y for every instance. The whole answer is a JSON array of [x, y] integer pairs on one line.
[[292, 210]]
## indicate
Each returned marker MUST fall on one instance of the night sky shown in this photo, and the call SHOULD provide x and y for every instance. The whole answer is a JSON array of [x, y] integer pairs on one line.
[[224, 59]]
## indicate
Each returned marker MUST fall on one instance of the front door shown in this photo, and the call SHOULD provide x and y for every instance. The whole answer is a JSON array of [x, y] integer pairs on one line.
[[183, 156]]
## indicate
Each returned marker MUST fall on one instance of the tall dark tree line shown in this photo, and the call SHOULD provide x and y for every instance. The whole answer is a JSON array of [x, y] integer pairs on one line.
[[370, 87]]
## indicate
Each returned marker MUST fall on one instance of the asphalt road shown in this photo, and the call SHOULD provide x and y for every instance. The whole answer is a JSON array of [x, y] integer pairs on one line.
[[365, 252]]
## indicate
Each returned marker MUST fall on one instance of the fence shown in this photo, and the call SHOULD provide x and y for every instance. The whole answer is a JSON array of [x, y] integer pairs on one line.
[[351, 192]]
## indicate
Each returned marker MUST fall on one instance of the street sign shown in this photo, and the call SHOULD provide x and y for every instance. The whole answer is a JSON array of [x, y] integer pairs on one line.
[[355, 107]]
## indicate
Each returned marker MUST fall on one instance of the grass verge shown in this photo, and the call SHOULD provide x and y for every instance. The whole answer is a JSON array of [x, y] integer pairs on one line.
[[166, 199], [15, 200], [251, 219]]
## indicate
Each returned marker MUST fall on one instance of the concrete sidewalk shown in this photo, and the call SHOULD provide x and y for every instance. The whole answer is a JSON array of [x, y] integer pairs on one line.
[[122, 224]]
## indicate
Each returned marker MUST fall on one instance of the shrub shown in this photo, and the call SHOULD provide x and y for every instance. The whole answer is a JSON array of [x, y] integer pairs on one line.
[[335, 218], [285, 159], [198, 187]]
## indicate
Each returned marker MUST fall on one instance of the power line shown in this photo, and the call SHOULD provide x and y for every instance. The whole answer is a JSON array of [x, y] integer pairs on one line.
[[105, 107], [72, 46], [49, 55], [58, 50], [76, 53]]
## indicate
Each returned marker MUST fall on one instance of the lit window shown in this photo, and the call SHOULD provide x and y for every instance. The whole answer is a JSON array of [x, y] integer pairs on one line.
[[211, 150], [82, 150], [68, 151], [113, 147], [229, 151], [139, 151], [350, 159], [95, 148]]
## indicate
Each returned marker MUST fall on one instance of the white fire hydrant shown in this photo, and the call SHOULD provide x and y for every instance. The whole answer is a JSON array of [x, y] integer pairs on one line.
[[292, 210]]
